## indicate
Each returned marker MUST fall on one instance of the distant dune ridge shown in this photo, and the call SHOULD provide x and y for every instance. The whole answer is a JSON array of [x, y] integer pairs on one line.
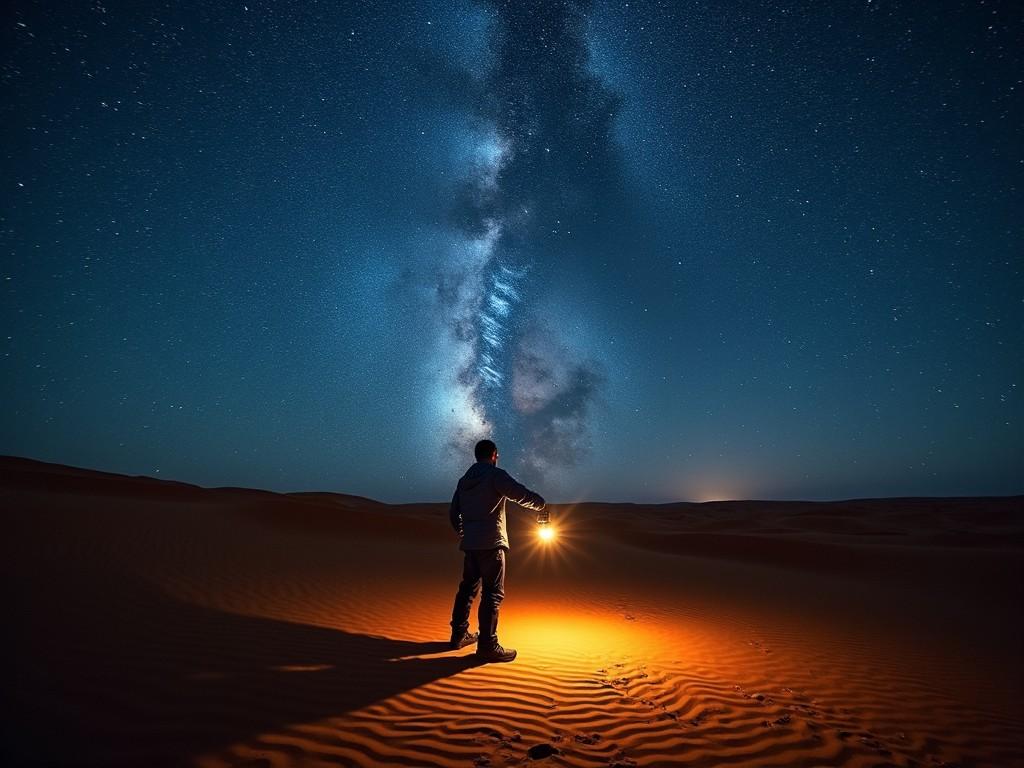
[[156, 623]]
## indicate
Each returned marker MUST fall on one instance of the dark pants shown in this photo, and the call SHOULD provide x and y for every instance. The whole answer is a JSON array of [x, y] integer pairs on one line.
[[486, 567]]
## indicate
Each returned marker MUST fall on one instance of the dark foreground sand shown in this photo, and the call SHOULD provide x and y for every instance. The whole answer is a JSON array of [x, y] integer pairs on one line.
[[151, 623]]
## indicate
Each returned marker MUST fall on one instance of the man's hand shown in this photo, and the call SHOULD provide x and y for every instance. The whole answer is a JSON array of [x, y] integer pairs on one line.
[[543, 516]]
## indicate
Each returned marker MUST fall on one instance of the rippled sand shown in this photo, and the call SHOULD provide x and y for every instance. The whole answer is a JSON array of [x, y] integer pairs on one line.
[[157, 623]]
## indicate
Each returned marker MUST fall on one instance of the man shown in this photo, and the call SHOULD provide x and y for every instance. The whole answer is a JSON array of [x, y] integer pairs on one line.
[[477, 514]]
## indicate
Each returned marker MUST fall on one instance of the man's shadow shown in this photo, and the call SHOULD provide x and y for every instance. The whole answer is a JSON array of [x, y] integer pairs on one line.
[[111, 671]]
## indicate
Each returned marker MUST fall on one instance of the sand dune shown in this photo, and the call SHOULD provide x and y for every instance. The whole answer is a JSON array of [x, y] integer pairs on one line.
[[155, 623]]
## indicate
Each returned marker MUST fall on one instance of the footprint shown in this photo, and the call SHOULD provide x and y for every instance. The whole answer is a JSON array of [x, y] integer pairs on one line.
[[540, 751], [783, 720], [868, 740], [506, 741], [621, 761], [703, 715]]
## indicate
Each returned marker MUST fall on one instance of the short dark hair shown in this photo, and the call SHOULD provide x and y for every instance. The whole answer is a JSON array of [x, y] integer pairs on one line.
[[484, 450]]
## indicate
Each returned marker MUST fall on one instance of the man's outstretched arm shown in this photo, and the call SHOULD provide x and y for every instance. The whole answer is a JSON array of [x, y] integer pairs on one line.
[[455, 513], [518, 492]]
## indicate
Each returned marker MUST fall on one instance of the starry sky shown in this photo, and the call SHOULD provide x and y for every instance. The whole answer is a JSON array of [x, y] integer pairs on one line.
[[655, 250]]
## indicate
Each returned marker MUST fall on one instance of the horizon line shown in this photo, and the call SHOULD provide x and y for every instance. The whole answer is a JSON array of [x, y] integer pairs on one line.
[[12, 457]]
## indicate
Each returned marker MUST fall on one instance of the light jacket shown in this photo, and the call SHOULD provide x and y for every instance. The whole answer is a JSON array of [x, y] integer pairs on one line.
[[477, 512]]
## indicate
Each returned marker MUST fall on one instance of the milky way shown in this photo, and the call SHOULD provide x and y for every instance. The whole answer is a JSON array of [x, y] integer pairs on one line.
[[546, 121]]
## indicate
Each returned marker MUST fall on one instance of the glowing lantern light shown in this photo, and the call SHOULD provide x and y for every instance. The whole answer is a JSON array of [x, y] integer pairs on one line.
[[545, 532]]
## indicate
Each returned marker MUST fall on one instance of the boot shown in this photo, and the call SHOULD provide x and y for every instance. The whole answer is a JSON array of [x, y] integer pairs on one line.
[[494, 652], [461, 641]]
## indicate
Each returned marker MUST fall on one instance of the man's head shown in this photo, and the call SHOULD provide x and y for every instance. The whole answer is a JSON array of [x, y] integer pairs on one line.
[[487, 451]]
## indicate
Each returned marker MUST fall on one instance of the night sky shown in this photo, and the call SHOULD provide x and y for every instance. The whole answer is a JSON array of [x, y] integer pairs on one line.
[[656, 251]]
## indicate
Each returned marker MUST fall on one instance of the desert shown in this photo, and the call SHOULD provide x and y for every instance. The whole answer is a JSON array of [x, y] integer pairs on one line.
[[160, 623]]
